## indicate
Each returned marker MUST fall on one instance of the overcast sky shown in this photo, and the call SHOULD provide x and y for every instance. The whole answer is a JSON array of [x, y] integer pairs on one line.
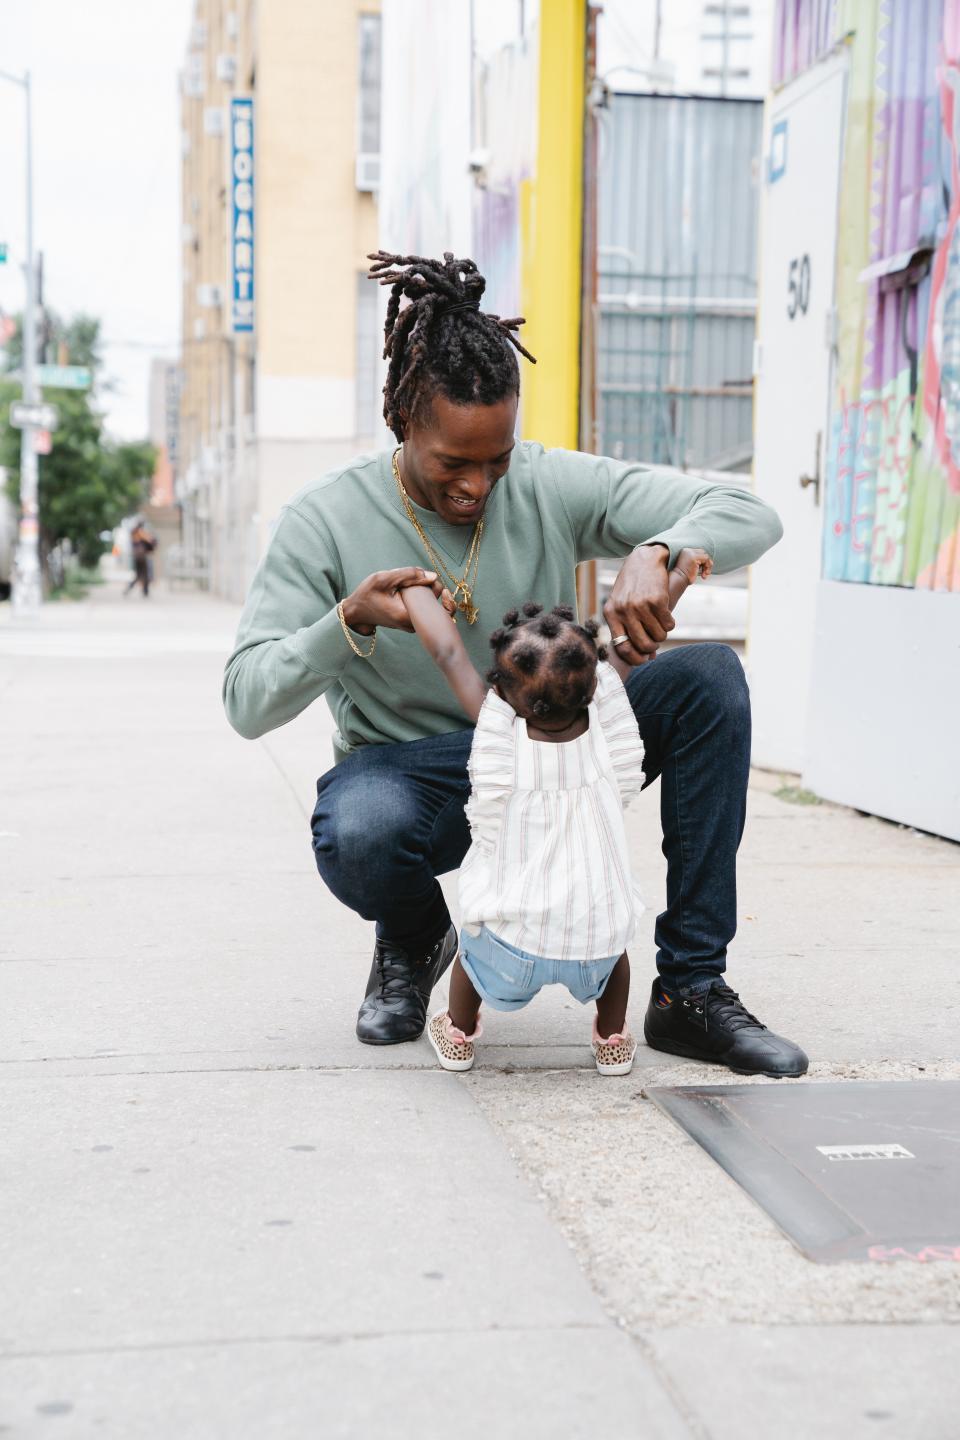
[[106, 156]]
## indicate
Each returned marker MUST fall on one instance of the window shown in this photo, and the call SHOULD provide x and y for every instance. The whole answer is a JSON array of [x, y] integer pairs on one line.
[[368, 103], [367, 357]]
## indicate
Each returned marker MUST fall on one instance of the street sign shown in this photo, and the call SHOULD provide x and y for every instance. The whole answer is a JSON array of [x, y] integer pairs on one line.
[[3, 253], [33, 417], [64, 377]]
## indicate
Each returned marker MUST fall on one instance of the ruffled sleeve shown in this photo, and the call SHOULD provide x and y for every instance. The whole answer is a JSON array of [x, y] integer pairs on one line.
[[621, 732], [492, 768]]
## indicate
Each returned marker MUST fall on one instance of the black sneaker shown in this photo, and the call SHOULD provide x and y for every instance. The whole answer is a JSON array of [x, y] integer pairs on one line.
[[717, 1027], [398, 991]]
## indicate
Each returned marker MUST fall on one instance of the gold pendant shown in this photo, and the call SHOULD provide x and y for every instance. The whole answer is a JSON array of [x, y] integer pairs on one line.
[[463, 599]]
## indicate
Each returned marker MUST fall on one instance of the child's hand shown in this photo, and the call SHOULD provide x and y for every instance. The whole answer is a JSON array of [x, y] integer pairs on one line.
[[443, 597], [695, 564], [692, 564]]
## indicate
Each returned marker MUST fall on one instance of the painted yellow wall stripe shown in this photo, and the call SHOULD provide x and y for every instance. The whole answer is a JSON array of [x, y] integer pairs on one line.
[[551, 218]]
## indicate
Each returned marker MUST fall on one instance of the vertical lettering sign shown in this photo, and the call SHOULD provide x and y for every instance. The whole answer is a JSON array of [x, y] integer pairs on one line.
[[172, 416], [241, 215]]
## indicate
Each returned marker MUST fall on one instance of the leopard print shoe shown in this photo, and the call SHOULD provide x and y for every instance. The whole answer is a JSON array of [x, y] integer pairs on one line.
[[454, 1049], [614, 1055]]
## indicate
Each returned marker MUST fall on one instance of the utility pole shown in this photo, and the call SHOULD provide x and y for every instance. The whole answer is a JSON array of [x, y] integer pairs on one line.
[[27, 590], [726, 71]]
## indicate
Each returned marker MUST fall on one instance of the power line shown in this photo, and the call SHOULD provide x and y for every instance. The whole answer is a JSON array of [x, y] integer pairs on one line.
[[141, 344]]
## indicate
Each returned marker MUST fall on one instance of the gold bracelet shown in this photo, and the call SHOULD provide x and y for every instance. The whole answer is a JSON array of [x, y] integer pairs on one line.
[[364, 655]]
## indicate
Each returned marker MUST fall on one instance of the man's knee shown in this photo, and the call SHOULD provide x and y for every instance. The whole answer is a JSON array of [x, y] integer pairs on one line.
[[725, 682], [360, 822], [706, 680]]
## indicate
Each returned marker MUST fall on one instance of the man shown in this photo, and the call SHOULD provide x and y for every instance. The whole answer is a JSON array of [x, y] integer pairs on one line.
[[491, 523]]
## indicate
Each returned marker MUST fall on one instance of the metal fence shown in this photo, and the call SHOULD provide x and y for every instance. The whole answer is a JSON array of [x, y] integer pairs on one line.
[[678, 198]]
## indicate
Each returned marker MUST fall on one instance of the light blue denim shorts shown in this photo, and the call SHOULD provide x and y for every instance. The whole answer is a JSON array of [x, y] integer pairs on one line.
[[507, 978]]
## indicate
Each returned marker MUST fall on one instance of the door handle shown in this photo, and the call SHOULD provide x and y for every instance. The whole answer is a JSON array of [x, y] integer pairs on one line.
[[814, 479]]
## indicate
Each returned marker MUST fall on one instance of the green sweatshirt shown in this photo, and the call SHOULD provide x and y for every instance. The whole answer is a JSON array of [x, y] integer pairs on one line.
[[552, 509]]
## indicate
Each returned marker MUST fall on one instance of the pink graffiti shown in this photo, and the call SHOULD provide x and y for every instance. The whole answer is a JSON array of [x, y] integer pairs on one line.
[[940, 367], [922, 1256], [874, 434]]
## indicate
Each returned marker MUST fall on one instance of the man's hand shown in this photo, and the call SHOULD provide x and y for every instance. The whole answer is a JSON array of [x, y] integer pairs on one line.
[[378, 601], [625, 603], [639, 604]]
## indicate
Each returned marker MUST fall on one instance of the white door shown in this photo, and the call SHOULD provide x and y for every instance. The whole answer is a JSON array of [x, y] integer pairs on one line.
[[804, 142]]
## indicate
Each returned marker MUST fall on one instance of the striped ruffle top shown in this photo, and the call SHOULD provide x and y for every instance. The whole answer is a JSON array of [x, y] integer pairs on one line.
[[548, 870]]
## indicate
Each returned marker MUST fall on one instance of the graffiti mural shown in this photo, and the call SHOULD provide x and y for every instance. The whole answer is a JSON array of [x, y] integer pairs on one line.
[[892, 483]]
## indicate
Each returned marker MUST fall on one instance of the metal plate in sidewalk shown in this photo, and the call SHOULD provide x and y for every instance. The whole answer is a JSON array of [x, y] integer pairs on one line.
[[849, 1171]]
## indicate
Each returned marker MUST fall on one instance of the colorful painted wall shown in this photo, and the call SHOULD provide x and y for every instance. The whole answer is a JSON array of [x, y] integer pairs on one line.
[[892, 482]]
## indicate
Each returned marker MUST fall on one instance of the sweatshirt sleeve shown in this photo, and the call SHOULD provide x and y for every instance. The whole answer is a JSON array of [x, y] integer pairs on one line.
[[614, 505], [290, 646]]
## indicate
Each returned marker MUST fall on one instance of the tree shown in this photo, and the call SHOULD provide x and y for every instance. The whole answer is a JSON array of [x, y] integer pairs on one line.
[[88, 483], [79, 337]]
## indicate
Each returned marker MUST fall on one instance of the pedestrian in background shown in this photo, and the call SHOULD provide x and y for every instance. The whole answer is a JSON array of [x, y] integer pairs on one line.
[[143, 543]]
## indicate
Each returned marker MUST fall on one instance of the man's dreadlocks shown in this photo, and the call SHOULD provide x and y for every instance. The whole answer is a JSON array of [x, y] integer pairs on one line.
[[442, 342]]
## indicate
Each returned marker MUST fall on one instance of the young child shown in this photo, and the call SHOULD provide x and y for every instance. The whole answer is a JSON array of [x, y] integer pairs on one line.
[[546, 892]]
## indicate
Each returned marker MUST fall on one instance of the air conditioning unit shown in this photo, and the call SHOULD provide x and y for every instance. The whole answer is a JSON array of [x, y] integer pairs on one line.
[[209, 297], [368, 171], [227, 68], [213, 120], [193, 79]]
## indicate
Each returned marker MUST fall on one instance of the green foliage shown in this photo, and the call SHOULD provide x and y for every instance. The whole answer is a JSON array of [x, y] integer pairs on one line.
[[81, 336], [88, 483], [76, 584], [796, 795]]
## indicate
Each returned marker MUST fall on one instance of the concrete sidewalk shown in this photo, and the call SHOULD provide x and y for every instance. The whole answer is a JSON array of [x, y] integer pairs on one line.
[[224, 1217]]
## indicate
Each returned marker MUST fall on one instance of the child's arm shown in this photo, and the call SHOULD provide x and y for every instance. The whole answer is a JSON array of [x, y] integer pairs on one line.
[[691, 565], [441, 640]]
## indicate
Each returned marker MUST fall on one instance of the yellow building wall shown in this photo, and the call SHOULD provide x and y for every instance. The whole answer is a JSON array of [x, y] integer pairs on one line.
[[314, 227], [551, 229]]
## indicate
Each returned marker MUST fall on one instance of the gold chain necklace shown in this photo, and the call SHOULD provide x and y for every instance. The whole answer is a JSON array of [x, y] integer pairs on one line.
[[461, 589]]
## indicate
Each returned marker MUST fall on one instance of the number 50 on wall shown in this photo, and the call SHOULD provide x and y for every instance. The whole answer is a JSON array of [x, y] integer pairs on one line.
[[798, 287]]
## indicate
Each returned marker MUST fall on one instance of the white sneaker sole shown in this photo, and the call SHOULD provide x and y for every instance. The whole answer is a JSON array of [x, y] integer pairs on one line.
[[623, 1068], [447, 1064]]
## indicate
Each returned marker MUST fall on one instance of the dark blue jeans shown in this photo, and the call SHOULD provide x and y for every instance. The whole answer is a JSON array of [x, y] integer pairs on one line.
[[389, 819]]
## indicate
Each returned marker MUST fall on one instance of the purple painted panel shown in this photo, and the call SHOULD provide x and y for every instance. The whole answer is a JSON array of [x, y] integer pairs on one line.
[[803, 31]]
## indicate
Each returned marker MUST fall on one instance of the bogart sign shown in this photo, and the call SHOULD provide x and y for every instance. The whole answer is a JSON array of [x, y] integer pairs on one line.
[[241, 215]]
